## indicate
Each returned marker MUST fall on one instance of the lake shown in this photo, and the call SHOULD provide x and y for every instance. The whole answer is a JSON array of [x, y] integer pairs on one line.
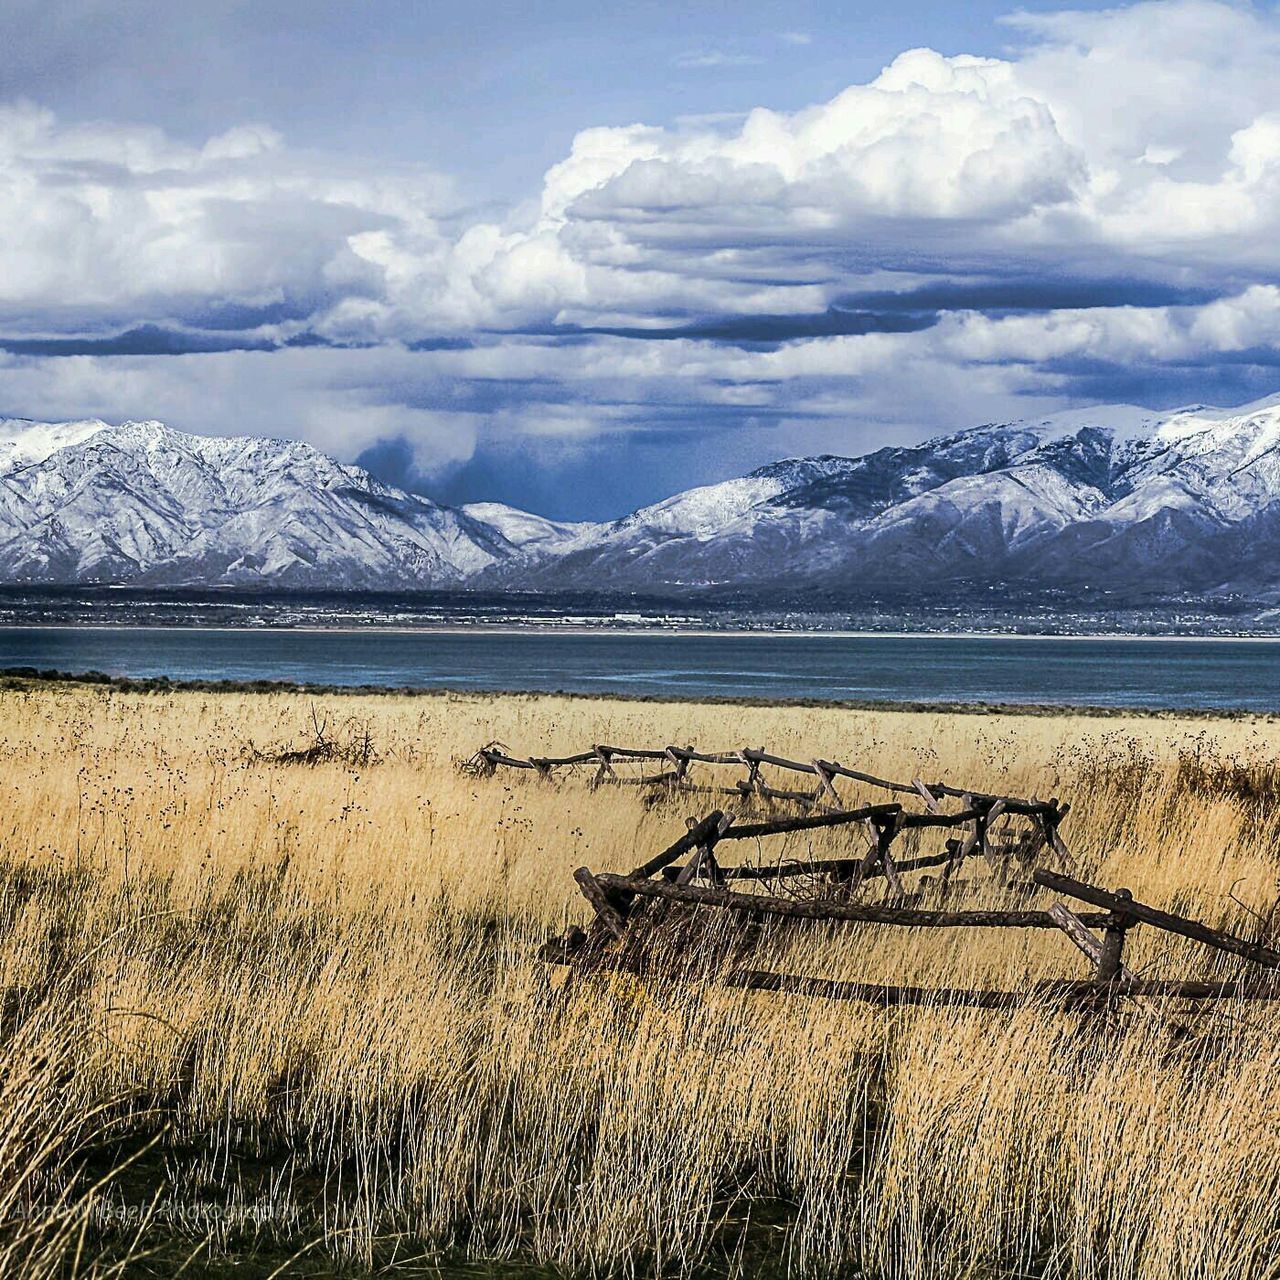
[[1152, 673]]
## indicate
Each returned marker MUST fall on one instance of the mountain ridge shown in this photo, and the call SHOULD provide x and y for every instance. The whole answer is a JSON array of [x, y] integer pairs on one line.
[[1117, 498]]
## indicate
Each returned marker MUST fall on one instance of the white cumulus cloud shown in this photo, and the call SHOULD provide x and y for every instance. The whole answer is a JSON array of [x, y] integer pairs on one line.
[[1140, 141], [121, 220]]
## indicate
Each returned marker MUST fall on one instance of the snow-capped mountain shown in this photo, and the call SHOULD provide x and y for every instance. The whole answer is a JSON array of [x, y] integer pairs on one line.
[[88, 502], [1117, 497]]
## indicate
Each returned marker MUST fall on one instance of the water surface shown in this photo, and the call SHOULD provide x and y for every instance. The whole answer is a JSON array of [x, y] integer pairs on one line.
[[1186, 674]]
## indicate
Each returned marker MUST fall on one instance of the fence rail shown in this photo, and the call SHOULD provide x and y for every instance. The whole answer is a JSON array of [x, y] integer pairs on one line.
[[824, 797]]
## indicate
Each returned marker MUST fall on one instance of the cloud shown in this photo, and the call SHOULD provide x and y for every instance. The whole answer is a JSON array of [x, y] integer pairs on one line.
[[712, 58], [103, 222], [1096, 213], [593, 426], [781, 213], [1137, 143]]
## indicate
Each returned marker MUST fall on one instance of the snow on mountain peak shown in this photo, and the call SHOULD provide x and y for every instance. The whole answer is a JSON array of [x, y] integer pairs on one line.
[[23, 442], [701, 511], [525, 530]]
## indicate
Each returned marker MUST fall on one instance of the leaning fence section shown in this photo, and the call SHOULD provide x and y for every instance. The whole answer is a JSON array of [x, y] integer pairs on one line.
[[689, 912]]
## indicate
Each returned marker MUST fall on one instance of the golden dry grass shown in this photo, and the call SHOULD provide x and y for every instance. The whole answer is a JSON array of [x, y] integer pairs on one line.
[[317, 985]]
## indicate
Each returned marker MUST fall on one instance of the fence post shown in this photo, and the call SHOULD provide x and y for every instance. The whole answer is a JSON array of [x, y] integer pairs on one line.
[[703, 862], [1111, 958], [605, 770], [966, 846], [825, 789]]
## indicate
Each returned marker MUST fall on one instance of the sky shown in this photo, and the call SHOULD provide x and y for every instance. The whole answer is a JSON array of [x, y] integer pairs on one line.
[[577, 257]]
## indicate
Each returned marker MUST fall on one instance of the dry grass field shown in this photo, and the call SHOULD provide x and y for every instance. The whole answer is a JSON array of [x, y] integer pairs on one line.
[[257, 1009]]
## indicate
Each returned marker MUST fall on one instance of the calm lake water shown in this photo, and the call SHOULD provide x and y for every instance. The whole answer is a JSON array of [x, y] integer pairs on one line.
[[1102, 672]]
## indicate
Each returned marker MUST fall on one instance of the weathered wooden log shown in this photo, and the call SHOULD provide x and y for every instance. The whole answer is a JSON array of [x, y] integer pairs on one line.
[[881, 832], [497, 757], [1028, 808], [1111, 957], [825, 791], [760, 756], [696, 895], [749, 830], [1013, 804], [782, 870], [692, 838], [606, 913], [889, 869], [930, 800], [1049, 823], [884, 784], [482, 763], [1164, 989], [1074, 928], [707, 757], [870, 860], [887, 833], [1193, 929], [926, 821], [990, 815], [872, 993], [555, 762], [704, 858], [604, 771], [774, 793], [972, 842], [838, 867]]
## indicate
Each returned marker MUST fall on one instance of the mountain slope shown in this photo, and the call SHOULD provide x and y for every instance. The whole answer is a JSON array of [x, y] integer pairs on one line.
[[1117, 498], [526, 531], [88, 502]]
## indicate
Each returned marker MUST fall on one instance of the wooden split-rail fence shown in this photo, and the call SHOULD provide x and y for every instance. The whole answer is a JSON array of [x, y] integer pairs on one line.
[[604, 763], [660, 918]]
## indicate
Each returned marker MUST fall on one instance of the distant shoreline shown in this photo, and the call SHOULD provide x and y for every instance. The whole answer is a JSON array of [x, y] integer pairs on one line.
[[545, 629], [29, 678]]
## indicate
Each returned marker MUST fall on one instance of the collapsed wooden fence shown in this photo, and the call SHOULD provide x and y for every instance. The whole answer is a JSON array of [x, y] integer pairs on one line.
[[656, 920], [603, 763]]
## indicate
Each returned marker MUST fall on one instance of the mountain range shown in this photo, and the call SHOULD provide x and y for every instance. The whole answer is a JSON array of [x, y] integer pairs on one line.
[[1116, 498]]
